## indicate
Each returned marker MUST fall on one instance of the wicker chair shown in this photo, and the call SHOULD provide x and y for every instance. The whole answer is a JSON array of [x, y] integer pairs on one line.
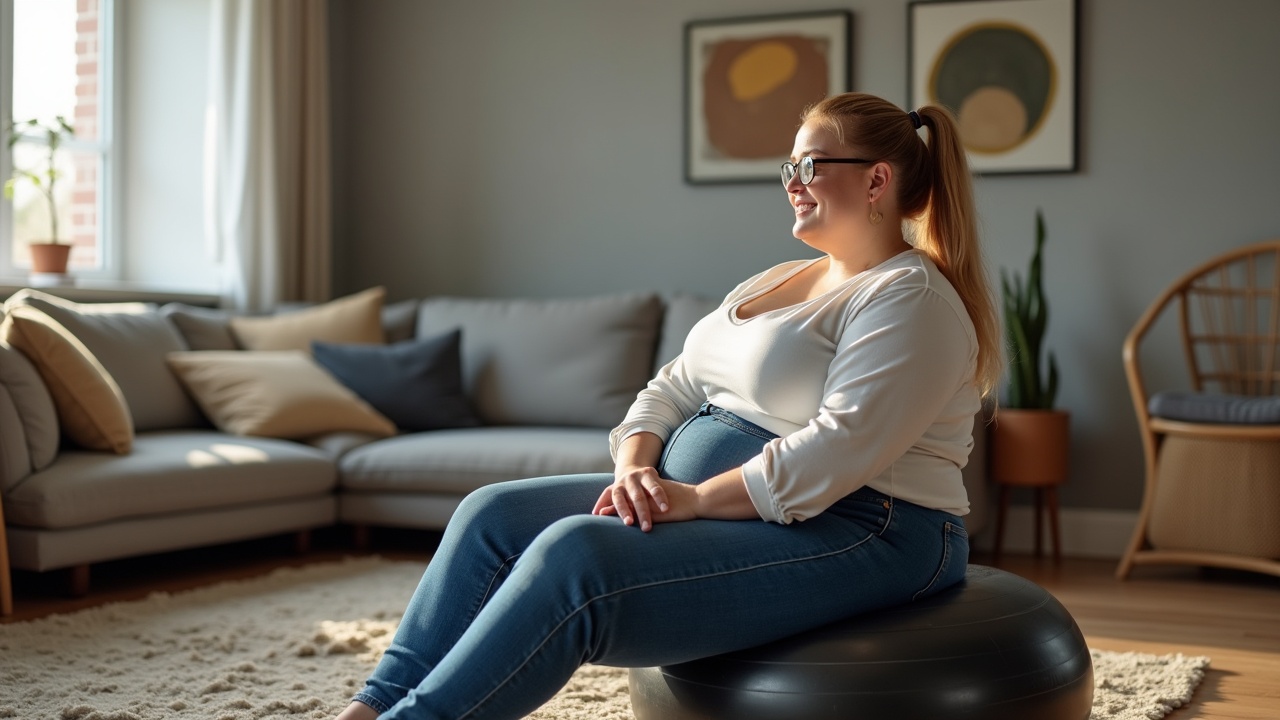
[[1212, 494]]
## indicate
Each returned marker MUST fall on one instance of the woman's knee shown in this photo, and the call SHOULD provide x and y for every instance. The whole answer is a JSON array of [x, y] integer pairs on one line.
[[545, 497], [578, 545], [480, 501], [496, 500], [507, 516]]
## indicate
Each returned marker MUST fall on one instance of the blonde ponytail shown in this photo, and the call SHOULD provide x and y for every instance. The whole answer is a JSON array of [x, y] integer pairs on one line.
[[948, 234], [935, 193]]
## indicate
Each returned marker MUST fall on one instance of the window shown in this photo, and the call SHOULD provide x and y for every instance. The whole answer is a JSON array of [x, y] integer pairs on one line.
[[55, 61]]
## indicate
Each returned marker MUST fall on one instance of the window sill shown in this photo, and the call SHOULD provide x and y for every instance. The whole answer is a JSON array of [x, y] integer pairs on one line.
[[110, 291]]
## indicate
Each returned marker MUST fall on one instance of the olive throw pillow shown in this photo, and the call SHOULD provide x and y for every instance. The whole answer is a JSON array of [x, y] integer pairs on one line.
[[90, 407], [415, 383], [275, 393]]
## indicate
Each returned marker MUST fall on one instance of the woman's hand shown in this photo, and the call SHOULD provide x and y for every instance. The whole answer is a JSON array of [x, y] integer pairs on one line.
[[639, 496]]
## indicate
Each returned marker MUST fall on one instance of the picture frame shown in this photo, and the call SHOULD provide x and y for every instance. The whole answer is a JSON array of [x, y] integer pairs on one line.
[[746, 81], [1009, 70]]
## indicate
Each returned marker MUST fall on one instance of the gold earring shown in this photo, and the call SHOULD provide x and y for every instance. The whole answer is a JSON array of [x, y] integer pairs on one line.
[[875, 216]]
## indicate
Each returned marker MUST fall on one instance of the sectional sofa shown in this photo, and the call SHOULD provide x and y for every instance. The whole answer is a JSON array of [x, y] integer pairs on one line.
[[129, 429]]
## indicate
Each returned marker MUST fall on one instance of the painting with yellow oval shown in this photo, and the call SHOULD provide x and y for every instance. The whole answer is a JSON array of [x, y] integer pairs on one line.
[[747, 81], [1007, 69]]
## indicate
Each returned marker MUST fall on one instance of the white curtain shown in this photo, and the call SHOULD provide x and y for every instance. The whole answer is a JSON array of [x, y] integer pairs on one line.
[[267, 164]]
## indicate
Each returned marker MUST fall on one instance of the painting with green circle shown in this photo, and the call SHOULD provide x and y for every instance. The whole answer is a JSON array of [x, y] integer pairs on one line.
[[999, 79]]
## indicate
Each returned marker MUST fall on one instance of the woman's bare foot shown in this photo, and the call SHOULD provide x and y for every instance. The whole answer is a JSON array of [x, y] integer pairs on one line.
[[358, 711]]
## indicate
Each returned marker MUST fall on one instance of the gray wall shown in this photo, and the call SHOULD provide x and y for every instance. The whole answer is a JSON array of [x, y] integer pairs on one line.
[[533, 149]]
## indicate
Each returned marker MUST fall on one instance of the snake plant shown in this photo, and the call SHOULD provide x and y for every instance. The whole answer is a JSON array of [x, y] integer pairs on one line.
[[1026, 313]]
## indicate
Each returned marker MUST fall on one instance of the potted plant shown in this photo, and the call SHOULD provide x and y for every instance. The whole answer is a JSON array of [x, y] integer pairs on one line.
[[49, 255], [1030, 437]]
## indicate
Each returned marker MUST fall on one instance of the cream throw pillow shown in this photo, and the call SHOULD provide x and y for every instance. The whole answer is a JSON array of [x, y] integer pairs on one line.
[[91, 409], [280, 394], [352, 319]]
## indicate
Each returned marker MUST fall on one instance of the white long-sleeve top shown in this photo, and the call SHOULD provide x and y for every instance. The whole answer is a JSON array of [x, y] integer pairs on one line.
[[871, 383]]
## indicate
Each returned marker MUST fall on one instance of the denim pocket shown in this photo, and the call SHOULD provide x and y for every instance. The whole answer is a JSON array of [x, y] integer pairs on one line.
[[870, 508], [955, 559]]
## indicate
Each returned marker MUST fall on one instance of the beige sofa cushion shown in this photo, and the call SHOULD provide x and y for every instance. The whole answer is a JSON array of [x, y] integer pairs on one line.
[[280, 394], [91, 408], [572, 362], [352, 319], [130, 340]]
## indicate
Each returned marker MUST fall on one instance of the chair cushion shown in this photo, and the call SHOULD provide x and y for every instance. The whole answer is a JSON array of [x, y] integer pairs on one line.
[[352, 319], [459, 461], [168, 472], [130, 340], [91, 409], [1215, 408], [574, 362], [281, 394], [417, 384]]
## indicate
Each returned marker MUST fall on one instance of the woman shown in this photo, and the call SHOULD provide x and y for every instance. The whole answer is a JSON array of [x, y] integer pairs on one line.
[[799, 463]]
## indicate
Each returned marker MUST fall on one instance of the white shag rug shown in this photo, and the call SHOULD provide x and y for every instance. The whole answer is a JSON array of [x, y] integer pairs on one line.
[[299, 642]]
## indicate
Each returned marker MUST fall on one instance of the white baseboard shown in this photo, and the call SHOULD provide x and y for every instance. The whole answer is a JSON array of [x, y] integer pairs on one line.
[[1085, 533]]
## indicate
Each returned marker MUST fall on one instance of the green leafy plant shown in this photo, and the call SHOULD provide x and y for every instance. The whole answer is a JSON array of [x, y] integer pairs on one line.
[[1026, 314], [43, 179]]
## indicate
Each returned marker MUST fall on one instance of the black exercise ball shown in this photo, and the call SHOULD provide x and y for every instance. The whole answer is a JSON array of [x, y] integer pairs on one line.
[[993, 647]]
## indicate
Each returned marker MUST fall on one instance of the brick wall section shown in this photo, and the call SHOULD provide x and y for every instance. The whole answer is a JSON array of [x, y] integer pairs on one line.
[[84, 183]]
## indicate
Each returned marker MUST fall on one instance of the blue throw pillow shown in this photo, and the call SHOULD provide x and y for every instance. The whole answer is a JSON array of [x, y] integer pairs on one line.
[[415, 383]]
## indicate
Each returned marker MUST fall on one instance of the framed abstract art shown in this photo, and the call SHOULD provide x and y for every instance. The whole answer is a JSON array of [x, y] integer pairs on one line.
[[747, 81], [1008, 69]]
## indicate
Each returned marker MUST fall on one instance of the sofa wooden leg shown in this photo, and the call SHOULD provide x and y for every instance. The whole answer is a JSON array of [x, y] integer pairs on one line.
[[302, 542], [6, 589], [78, 581], [360, 537], [6, 581]]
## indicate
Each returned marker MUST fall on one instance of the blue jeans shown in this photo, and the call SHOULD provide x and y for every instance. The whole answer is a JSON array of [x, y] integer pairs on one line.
[[526, 585]]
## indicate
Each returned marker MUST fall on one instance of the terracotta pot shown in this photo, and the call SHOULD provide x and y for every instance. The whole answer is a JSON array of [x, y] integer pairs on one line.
[[49, 257], [1030, 447]]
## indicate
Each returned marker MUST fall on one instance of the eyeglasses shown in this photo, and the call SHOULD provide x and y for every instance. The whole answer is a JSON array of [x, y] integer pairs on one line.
[[805, 167]]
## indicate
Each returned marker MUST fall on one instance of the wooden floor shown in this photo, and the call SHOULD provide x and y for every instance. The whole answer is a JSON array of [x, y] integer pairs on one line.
[[1234, 618]]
